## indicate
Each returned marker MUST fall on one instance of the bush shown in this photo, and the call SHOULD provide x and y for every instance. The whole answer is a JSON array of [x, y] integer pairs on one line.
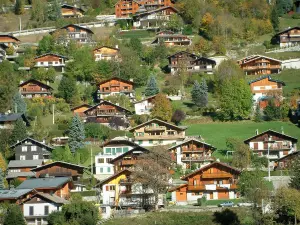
[[201, 201], [94, 130], [84, 193]]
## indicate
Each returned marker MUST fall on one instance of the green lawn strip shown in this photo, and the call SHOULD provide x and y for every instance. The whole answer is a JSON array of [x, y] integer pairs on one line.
[[283, 55], [135, 33], [285, 23], [219, 201]]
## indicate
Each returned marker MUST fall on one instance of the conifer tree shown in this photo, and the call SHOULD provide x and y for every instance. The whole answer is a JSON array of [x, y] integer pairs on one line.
[[162, 108], [14, 216], [76, 134], [2, 186], [275, 19], [19, 132], [199, 93], [19, 105], [19, 7], [152, 88]]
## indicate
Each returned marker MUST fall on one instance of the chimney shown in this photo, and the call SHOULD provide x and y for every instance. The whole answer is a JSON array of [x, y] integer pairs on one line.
[[44, 142], [256, 132], [117, 46]]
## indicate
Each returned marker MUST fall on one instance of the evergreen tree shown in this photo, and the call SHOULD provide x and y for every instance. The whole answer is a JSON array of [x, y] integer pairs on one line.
[[67, 89], [14, 216], [19, 132], [295, 174], [151, 88], [272, 111], [54, 10], [19, 7], [275, 19], [257, 114], [199, 93], [76, 134], [19, 105], [162, 108], [2, 186]]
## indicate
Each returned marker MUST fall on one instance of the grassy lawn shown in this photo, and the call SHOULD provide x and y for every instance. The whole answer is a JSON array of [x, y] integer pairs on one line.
[[217, 133], [136, 34], [219, 201], [288, 22], [283, 55]]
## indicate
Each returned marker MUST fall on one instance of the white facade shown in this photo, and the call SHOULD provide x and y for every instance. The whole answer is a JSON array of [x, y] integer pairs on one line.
[[143, 107], [150, 143], [58, 64], [291, 64]]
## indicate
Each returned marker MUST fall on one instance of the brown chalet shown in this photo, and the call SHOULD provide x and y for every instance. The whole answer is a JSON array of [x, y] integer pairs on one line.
[[73, 32], [80, 109], [172, 40], [128, 159], [278, 144], [286, 161], [58, 62], [114, 86], [214, 181], [33, 88], [260, 65], [106, 53], [69, 11], [8, 41], [192, 152], [127, 8], [288, 37], [105, 111], [59, 169]]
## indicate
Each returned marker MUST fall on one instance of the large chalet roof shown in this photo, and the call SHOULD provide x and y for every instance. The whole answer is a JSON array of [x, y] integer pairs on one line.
[[119, 140], [13, 117], [66, 6], [287, 30], [32, 140], [82, 105], [24, 163], [14, 193], [48, 197], [106, 102], [47, 182], [138, 149], [12, 175], [155, 10], [101, 183], [254, 57], [73, 25], [9, 36], [184, 52], [211, 61], [57, 55], [35, 81], [289, 155], [105, 46], [295, 140], [209, 166], [269, 78], [60, 163], [192, 139], [116, 78], [158, 121]]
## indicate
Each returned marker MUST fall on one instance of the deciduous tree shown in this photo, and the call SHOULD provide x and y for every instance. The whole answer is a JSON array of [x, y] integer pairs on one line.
[[178, 116], [117, 122], [2, 186], [3, 164], [19, 132], [67, 88], [76, 134], [14, 216], [151, 88], [241, 153], [162, 108]]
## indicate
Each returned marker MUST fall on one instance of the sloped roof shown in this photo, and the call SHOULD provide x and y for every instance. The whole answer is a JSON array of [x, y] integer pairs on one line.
[[101, 183], [24, 163], [154, 10], [14, 193], [145, 99], [136, 149], [206, 59], [177, 187], [34, 141], [286, 156], [35, 81], [12, 117], [117, 140], [192, 139], [115, 78], [159, 121], [10, 36], [72, 7], [60, 56], [105, 46], [254, 57], [73, 25], [165, 31], [286, 30], [210, 165], [274, 132], [82, 105], [48, 197], [184, 52], [57, 163], [48, 182], [107, 102], [12, 175], [269, 78]]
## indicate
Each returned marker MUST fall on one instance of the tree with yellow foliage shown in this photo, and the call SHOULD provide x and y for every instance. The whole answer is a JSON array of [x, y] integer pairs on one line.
[[162, 108]]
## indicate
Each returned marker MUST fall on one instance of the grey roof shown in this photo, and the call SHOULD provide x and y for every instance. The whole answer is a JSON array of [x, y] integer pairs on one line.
[[10, 117], [48, 182], [24, 163], [55, 163], [13, 193], [12, 175], [32, 140], [52, 198]]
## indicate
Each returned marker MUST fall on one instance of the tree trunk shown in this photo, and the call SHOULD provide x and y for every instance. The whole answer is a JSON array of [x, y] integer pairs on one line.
[[295, 219], [156, 201]]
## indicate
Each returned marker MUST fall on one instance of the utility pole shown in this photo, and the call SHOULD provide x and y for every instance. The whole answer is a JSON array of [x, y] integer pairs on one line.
[[92, 171], [20, 24], [53, 119]]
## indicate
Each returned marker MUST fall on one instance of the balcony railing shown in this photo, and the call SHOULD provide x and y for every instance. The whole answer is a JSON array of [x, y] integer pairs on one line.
[[211, 187], [262, 67], [278, 148], [197, 158], [216, 175], [128, 162], [154, 128], [193, 149], [158, 137], [125, 181]]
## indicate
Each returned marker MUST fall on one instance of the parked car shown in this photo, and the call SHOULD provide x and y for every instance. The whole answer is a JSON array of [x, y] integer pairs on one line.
[[245, 204], [226, 204]]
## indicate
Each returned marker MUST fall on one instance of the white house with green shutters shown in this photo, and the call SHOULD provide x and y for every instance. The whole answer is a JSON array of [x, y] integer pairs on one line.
[[111, 149]]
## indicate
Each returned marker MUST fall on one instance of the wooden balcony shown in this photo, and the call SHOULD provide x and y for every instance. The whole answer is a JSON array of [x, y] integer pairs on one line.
[[185, 149], [197, 159], [216, 175], [203, 187], [125, 181], [128, 162], [155, 128], [159, 137], [261, 67], [196, 188]]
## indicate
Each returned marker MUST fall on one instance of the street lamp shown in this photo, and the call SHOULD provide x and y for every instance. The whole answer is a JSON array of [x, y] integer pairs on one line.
[[269, 141]]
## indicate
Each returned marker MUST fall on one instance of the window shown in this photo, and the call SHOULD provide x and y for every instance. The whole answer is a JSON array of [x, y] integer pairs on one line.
[[33, 148], [150, 141], [140, 142], [35, 157], [101, 160], [108, 160], [112, 188], [108, 169], [46, 210], [119, 150], [22, 157], [31, 211], [108, 151], [125, 149], [24, 148], [101, 170]]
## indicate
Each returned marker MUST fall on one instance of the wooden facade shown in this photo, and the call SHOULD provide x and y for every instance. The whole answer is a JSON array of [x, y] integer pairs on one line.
[[33, 88], [127, 8], [106, 53], [114, 86], [260, 65], [68, 11], [288, 37], [156, 132], [287, 161]]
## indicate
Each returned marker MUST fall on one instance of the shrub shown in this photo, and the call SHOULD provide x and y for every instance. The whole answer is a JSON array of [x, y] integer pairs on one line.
[[201, 201]]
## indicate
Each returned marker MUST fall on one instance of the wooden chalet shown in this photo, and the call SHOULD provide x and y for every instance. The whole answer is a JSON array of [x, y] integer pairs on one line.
[[15, 196], [106, 53], [8, 41], [58, 62], [104, 111], [190, 62], [192, 152], [73, 32], [33, 88], [153, 18], [278, 144], [214, 181], [157, 132], [115, 85], [260, 65], [80, 109], [128, 159], [7, 121], [59, 169], [172, 40], [60, 186], [286, 161], [127, 8], [288, 37], [69, 11]]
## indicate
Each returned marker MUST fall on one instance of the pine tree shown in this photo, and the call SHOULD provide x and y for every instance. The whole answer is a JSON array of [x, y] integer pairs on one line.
[[54, 10], [14, 216], [257, 114], [2, 186], [76, 134], [19, 105], [19, 7], [275, 19], [199, 93], [162, 108], [152, 88], [19, 132], [67, 155]]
